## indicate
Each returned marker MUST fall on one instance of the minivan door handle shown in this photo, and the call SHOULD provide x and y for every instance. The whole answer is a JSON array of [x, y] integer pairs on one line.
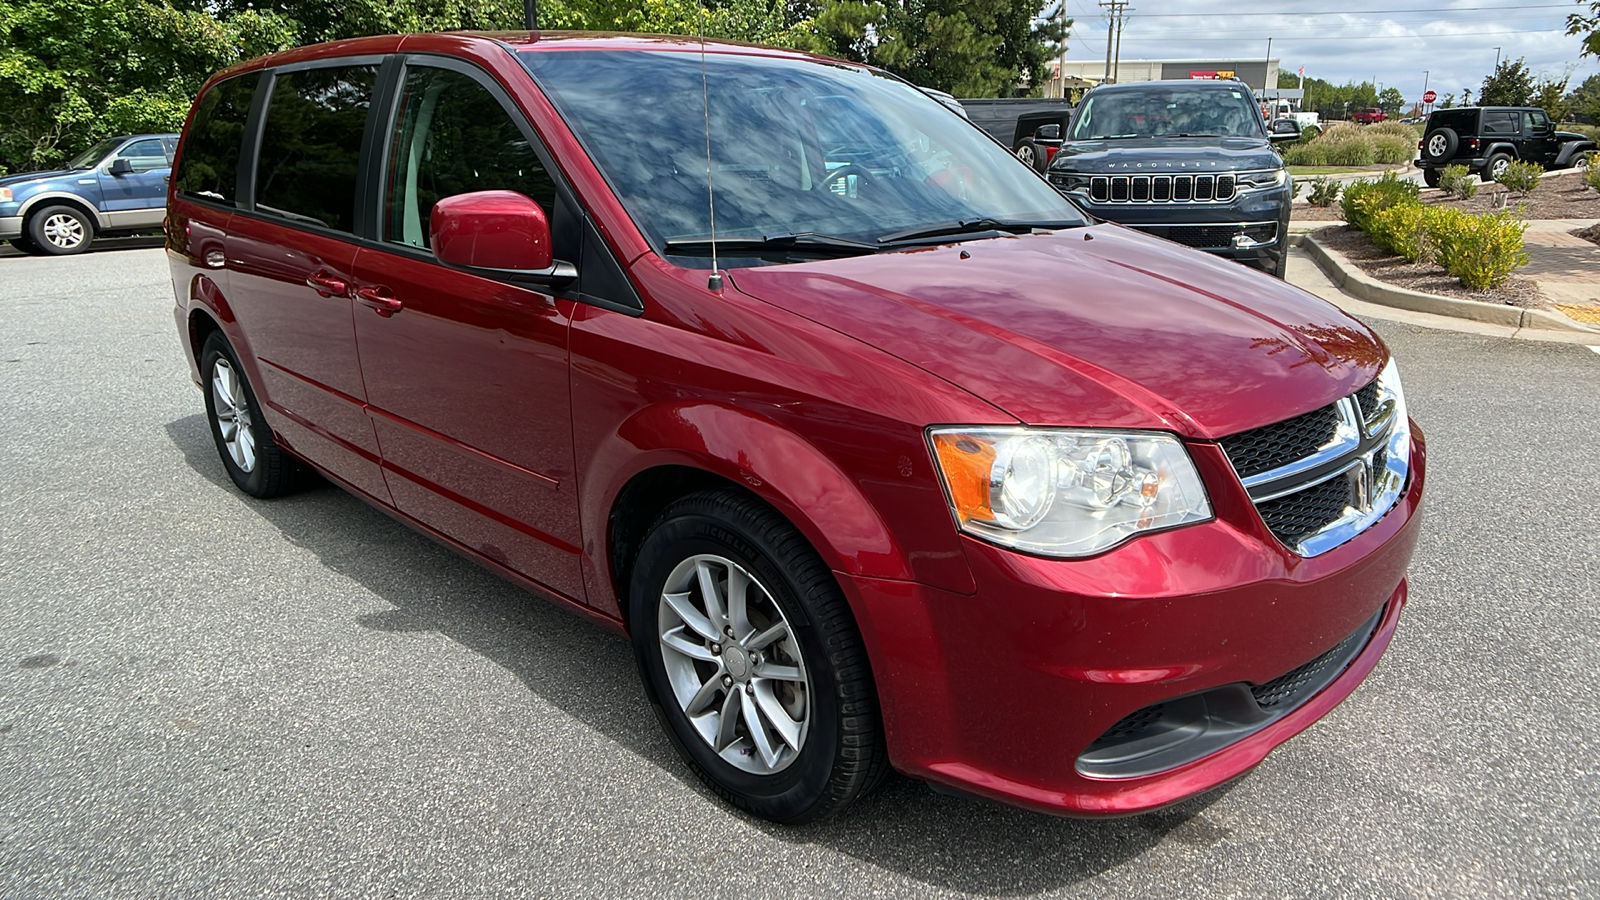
[[381, 299], [326, 285]]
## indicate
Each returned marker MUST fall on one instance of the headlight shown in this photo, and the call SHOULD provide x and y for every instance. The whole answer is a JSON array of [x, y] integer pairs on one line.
[[1066, 492], [5, 195], [1268, 178], [1067, 183]]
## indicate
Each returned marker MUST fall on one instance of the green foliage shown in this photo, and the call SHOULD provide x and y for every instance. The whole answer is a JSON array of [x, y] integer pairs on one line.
[[1399, 229], [1510, 85], [1390, 100], [1458, 182], [1585, 99], [75, 71], [1587, 28], [1368, 197], [1391, 150], [1591, 170], [1324, 191], [1521, 177], [1480, 251], [1551, 96], [1344, 144]]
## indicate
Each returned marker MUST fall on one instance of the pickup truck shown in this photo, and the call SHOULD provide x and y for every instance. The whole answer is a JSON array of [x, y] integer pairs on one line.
[[118, 186], [1370, 116], [1016, 124]]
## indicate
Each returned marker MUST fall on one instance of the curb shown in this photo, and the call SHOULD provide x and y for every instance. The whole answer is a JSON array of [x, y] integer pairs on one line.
[[1350, 279]]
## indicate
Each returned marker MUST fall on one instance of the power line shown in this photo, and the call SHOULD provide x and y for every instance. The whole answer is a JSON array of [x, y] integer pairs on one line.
[[1360, 12], [1370, 37]]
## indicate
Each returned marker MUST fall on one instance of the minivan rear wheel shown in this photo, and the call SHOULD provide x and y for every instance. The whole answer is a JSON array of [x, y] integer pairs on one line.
[[752, 660], [245, 443], [60, 230]]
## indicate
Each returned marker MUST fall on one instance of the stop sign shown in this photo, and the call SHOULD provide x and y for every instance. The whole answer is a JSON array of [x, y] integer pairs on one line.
[[1429, 96]]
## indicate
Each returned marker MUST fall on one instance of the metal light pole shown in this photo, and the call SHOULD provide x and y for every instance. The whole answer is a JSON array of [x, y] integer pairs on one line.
[[530, 14], [1061, 62], [1497, 59], [1425, 103]]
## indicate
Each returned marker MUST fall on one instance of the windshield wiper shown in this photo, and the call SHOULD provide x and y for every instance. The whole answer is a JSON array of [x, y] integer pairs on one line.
[[805, 241], [968, 226]]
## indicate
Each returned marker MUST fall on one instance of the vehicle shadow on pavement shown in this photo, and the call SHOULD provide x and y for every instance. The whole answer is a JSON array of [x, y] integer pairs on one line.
[[588, 673]]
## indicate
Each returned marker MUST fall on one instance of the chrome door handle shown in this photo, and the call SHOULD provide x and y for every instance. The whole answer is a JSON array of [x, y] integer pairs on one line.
[[381, 299], [326, 285]]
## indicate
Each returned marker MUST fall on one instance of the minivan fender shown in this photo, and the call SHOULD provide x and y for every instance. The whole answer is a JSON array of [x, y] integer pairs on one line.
[[759, 455]]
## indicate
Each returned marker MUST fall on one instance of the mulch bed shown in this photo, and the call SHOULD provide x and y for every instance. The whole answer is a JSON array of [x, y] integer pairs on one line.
[[1559, 197], [1384, 266]]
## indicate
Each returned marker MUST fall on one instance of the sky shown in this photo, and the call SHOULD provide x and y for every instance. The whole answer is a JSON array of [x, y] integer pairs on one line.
[[1391, 43]]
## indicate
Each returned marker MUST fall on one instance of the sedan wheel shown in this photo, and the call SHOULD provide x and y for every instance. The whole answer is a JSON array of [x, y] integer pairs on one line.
[[752, 660]]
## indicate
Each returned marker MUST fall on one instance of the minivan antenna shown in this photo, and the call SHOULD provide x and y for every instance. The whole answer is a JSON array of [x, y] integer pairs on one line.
[[715, 281]]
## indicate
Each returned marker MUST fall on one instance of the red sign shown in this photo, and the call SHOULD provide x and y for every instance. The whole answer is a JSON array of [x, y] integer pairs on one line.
[[1429, 96]]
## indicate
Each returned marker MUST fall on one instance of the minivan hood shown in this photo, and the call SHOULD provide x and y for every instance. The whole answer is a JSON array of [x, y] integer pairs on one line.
[[1100, 326], [1162, 155]]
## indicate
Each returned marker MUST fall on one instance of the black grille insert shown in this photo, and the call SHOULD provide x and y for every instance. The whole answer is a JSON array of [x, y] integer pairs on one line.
[[1367, 399], [1295, 517], [1266, 448]]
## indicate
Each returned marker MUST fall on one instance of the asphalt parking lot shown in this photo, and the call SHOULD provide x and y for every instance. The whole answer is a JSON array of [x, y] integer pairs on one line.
[[210, 696]]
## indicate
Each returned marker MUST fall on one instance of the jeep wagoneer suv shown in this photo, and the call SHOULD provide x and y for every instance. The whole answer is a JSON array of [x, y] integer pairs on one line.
[[881, 451]]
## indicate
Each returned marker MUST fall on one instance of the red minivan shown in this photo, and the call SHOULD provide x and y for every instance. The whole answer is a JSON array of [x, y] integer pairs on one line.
[[882, 452]]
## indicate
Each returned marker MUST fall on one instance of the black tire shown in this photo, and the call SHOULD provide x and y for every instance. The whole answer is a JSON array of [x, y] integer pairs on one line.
[[1440, 144], [1032, 154], [1430, 177], [841, 753], [60, 230], [267, 471], [1493, 165], [26, 246]]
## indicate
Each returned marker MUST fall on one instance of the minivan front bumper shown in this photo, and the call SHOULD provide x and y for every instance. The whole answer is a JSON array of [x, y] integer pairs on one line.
[[1011, 693]]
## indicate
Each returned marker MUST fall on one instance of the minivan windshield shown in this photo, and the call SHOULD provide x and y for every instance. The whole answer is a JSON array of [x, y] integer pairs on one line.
[[806, 157], [1180, 110], [91, 157]]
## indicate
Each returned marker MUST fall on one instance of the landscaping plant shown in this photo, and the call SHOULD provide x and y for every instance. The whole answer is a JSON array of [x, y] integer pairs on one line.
[[1521, 177], [1458, 182], [1368, 197], [1480, 251], [1402, 230], [1324, 191]]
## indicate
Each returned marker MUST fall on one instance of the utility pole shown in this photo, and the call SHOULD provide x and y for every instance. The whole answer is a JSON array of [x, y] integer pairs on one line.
[[1116, 72], [1497, 59], [1266, 71], [1061, 63], [530, 14], [1425, 103], [1113, 33]]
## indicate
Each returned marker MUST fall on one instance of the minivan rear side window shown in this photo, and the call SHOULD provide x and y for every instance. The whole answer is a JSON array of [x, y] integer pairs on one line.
[[210, 165], [311, 145], [453, 137]]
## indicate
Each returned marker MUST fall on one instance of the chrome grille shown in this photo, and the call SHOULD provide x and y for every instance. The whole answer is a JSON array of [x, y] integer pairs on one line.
[[1320, 478], [1162, 188]]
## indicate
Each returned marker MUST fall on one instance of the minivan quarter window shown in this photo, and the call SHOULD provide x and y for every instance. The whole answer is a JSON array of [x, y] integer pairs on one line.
[[311, 144], [210, 165]]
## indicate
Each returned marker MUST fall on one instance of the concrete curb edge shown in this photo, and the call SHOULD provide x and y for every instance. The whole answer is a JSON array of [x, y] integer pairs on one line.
[[1349, 278]]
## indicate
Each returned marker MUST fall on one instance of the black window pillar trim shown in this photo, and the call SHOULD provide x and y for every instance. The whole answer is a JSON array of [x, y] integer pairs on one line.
[[244, 193]]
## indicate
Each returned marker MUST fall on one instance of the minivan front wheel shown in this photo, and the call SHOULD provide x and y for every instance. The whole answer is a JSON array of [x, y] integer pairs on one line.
[[752, 660], [243, 439], [60, 230]]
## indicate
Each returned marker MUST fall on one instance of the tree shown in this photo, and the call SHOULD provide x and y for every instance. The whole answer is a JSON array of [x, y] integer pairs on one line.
[[1551, 96], [1390, 100], [1587, 27], [1585, 100], [74, 71], [1510, 85], [1447, 101]]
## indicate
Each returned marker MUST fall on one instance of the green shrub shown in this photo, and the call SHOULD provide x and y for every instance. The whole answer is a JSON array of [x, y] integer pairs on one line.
[[1480, 251], [1458, 182], [1351, 153], [1309, 133], [1367, 198], [1324, 191], [1591, 170], [1400, 229], [1591, 132], [1521, 177], [1403, 130], [1313, 154], [1389, 149]]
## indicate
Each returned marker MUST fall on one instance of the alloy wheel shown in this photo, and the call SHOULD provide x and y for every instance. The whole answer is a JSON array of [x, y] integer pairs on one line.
[[233, 416], [1025, 153], [734, 664], [64, 231], [1436, 145]]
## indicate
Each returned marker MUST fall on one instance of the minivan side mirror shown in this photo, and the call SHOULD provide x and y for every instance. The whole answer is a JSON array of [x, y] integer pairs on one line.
[[1048, 133], [500, 233], [121, 166]]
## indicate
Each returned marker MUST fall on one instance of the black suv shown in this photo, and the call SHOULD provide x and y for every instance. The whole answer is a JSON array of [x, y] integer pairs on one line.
[[1190, 161], [1486, 139]]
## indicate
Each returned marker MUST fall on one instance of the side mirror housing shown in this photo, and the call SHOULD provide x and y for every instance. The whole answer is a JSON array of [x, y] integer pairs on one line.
[[1284, 130], [1047, 133], [121, 166], [500, 232]]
